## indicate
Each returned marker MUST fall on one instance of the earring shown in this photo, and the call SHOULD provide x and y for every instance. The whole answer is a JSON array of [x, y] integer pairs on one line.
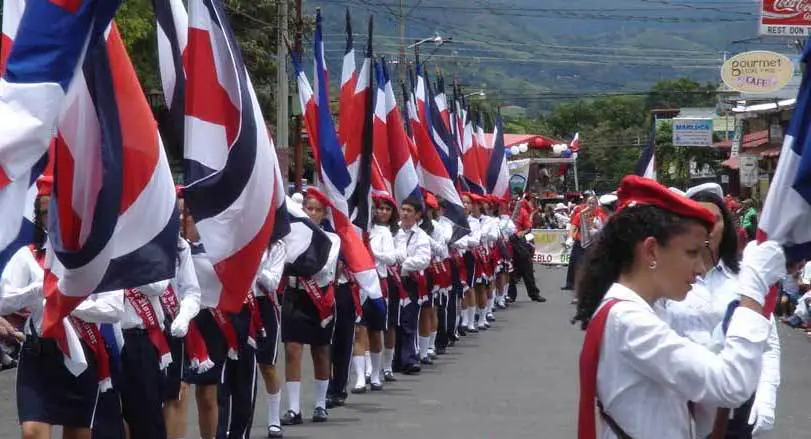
[[652, 265]]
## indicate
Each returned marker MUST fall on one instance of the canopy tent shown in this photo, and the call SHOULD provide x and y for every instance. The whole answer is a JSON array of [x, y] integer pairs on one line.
[[533, 141]]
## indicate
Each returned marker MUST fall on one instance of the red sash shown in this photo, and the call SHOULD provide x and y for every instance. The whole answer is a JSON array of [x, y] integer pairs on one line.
[[324, 301], [354, 286], [90, 335], [256, 327], [422, 286], [228, 332], [480, 264], [459, 260], [589, 360], [195, 345], [147, 314], [394, 272]]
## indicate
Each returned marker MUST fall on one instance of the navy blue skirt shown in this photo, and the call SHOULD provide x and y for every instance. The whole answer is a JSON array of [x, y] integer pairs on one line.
[[46, 390], [178, 370], [267, 343], [301, 322]]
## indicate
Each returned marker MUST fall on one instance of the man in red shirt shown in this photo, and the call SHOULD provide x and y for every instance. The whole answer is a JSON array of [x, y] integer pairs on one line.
[[522, 255]]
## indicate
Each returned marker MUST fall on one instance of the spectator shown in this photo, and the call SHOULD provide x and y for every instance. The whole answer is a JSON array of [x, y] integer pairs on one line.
[[749, 219]]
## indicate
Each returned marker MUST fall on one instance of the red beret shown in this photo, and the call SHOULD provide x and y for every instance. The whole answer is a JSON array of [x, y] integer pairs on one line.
[[431, 201], [384, 197], [45, 185], [476, 198], [319, 196], [635, 190]]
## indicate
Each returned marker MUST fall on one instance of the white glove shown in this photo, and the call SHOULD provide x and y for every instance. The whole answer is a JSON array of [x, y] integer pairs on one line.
[[762, 418], [569, 241], [762, 266], [530, 238], [180, 326]]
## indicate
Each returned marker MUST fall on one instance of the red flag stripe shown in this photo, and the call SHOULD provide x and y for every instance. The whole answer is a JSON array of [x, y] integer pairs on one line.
[[206, 99]]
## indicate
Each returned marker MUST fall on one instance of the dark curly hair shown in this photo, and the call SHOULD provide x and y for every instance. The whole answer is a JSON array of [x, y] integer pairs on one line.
[[728, 250], [613, 252], [393, 220], [40, 228]]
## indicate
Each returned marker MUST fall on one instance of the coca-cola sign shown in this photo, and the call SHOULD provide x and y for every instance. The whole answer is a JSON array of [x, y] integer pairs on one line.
[[785, 18]]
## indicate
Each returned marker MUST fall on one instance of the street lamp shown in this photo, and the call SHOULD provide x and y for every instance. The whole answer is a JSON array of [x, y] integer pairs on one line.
[[479, 93], [437, 39]]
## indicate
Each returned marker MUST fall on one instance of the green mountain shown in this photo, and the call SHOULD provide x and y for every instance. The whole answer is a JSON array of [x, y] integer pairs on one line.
[[535, 54]]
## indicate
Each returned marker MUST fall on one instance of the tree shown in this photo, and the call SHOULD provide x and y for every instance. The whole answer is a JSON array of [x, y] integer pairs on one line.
[[682, 92]]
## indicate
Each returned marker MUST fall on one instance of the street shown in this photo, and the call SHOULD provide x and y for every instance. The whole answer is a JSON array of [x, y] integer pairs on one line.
[[517, 380]]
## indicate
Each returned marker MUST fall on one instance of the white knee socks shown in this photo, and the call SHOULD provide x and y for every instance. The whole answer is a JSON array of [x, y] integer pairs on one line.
[[359, 366], [274, 402], [293, 395]]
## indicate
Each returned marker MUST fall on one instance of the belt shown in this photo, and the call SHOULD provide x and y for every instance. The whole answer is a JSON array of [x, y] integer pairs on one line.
[[135, 331]]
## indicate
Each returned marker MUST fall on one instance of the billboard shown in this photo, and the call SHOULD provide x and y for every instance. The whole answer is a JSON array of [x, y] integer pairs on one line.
[[785, 18], [692, 132], [758, 71]]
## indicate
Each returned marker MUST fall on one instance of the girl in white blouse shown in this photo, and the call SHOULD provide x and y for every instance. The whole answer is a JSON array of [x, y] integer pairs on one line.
[[641, 372]]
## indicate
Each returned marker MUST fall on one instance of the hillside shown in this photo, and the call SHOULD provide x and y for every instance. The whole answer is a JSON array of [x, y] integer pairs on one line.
[[535, 54]]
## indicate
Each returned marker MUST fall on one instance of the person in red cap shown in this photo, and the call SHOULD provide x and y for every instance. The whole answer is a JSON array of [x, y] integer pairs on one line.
[[438, 280], [638, 370], [585, 224], [308, 317], [368, 349], [468, 320], [503, 261], [414, 255], [56, 387]]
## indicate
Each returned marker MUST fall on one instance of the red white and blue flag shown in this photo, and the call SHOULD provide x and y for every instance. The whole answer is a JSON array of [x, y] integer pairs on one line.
[[112, 218], [472, 170], [391, 142], [234, 187], [646, 165], [498, 176], [786, 214], [39, 67], [334, 177], [435, 177]]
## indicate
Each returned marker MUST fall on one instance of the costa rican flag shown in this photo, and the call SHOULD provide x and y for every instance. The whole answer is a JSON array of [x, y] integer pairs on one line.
[[172, 39], [646, 165], [39, 67], [435, 176], [471, 171], [391, 142], [333, 175], [12, 13], [431, 117], [787, 211], [112, 220], [234, 187], [498, 176]]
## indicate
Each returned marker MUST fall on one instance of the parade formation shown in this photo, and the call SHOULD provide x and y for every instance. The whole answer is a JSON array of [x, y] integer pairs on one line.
[[125, 294]]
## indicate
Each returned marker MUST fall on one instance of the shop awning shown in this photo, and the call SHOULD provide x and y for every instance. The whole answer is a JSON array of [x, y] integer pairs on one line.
[[764, 151]]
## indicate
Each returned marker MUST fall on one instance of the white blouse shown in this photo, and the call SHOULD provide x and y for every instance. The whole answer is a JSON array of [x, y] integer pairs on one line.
[[699, 317], [414, 248], [382, 243], [647, 372]]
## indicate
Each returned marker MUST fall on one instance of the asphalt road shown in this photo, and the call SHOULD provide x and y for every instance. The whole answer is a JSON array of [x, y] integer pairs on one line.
[[517, 380]]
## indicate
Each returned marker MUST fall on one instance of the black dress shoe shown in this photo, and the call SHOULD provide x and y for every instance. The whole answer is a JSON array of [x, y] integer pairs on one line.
[[427, 361], [388, 376], [335, 401], [412, 369], [275, 431], [453, 337], [441, 351], [540, 299], [376, 387], [292, 418], [359, 390], [320, 414], [462, 331]]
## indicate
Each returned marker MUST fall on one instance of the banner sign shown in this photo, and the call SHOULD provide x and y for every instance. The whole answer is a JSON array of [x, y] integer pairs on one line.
[[758, 71], [692, 132], [785, 18], [550, 248]]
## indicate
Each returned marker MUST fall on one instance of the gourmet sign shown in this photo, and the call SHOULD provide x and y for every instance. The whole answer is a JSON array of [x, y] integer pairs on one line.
[[787, 18], [758, 71]]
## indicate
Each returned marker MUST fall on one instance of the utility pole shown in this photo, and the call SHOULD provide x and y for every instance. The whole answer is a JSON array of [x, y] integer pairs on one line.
[[283, 90], [298, 153], [401, 23]]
